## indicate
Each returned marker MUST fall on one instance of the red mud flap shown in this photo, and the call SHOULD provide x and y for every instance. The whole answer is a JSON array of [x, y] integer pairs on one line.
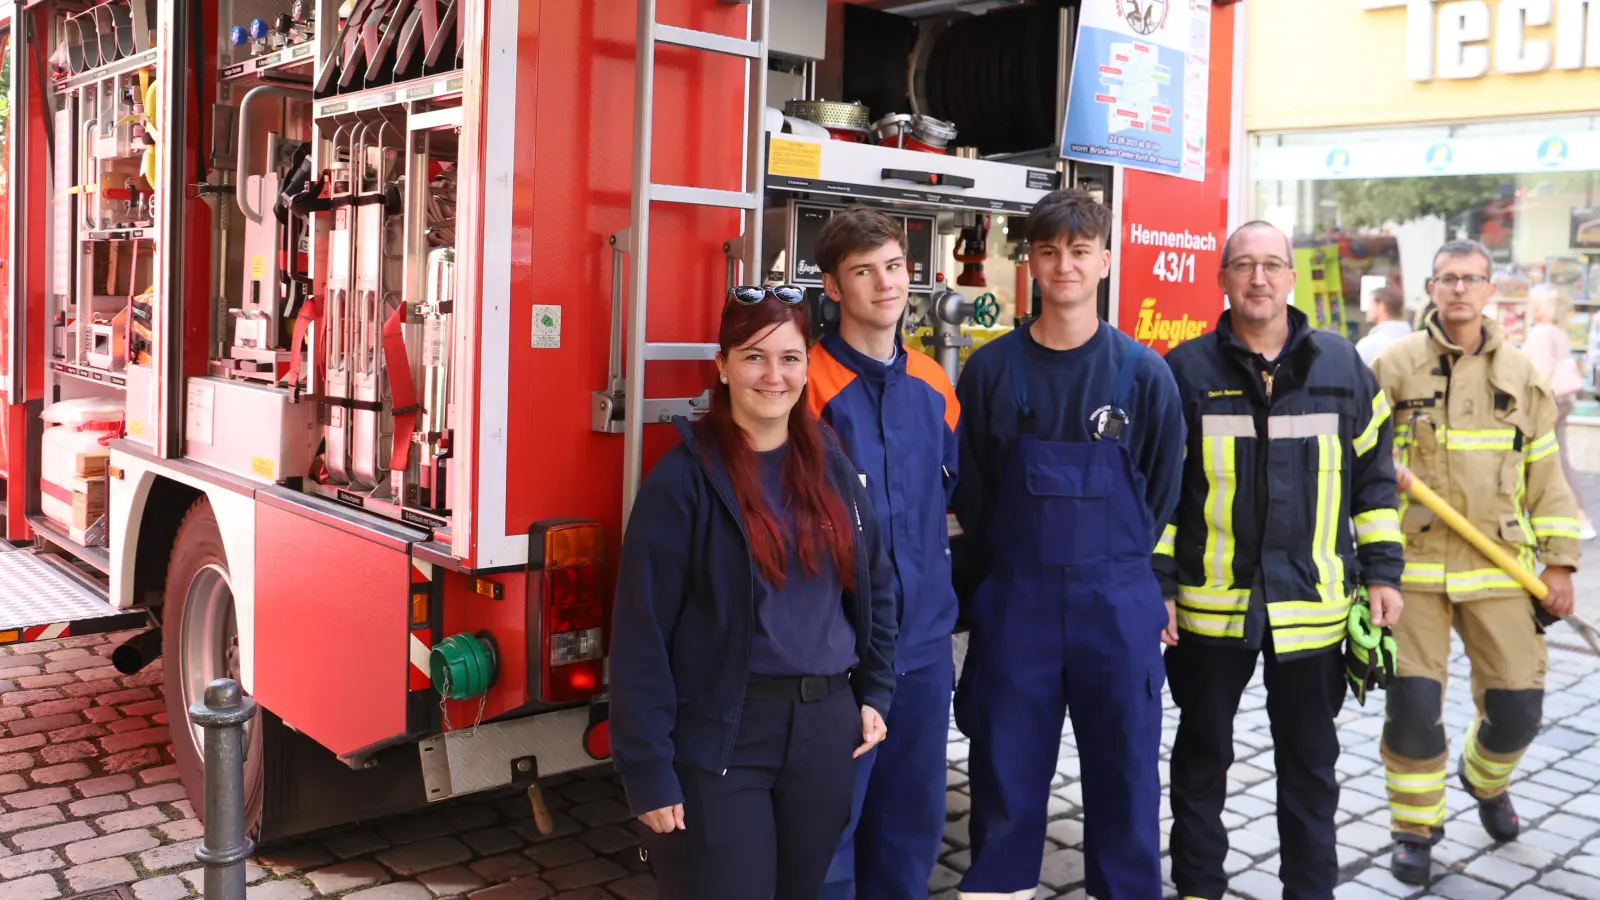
[[332, 617], [41, 602]]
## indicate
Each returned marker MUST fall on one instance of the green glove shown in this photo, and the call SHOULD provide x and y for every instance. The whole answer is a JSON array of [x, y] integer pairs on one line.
[[1369, 654]]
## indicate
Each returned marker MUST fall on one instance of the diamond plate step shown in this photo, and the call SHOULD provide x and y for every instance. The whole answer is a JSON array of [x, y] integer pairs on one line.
[[40, 603]]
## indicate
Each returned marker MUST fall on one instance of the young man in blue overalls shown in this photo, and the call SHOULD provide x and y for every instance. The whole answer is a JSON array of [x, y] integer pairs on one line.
[[1071, 453], [896, 413]]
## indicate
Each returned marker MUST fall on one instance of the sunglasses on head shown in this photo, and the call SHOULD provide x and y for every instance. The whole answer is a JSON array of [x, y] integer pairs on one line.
[[750, 295]]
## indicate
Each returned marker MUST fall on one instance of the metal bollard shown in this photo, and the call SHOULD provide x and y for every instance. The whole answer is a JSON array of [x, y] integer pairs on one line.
[[223, 712]]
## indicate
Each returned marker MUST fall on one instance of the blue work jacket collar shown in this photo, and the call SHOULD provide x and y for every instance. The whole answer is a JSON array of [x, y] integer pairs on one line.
[[861, 364], [1294, 361]]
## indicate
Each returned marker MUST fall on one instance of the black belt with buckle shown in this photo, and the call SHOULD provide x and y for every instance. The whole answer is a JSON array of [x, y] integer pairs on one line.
[[806, 689]]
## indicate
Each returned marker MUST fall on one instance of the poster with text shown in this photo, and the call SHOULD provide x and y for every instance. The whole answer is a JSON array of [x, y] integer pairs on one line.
[[1140, 77], [1170, 246]]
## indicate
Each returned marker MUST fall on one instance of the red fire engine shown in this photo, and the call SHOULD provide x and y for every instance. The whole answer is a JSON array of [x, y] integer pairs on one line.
[[337, 335]]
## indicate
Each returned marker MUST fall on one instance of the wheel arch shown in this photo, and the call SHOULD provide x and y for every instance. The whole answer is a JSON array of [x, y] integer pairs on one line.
[[147, 505]]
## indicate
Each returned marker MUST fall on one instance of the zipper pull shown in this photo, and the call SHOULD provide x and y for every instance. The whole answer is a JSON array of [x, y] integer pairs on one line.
[[1266, 381]]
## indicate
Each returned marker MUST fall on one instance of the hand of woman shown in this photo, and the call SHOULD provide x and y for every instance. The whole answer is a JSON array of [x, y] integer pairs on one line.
[[873, 731], [665, 819]]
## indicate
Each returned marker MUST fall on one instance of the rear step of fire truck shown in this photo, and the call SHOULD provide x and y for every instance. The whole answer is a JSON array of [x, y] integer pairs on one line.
[[43, 597]]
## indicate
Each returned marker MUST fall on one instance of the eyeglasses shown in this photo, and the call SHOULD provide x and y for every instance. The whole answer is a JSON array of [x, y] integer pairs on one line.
[[1454, 281], [1244, 268], [750, 295]]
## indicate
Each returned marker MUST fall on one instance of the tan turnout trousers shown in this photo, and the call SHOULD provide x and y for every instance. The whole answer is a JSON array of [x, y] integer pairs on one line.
[[1509, 661]]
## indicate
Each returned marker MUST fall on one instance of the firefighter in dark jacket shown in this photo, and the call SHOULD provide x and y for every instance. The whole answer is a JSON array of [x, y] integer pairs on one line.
[[1287, 506]]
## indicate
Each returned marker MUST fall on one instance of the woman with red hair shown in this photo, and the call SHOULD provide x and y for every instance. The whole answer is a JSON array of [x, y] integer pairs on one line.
[[754, 629]]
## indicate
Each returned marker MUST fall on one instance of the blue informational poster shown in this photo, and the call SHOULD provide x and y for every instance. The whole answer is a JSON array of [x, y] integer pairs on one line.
[[1140, 75]]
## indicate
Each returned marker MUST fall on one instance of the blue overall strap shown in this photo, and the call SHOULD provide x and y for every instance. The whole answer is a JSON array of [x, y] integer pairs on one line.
[[1019, 384], [1126, 356]]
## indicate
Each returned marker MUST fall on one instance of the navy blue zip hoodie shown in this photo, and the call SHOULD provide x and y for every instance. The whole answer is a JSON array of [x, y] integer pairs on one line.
[[899, 424], [685, 613]]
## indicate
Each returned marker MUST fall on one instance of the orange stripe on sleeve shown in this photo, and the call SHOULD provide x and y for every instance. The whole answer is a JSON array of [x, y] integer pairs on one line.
[[922, 367], [826, 377]]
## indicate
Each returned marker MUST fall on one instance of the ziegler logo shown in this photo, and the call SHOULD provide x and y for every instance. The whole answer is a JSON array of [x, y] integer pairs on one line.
[[1154, 327], [1144, 16]]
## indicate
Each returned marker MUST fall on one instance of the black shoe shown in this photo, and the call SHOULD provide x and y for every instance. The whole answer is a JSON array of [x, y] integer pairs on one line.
[[1498, 816], [1412, 862]]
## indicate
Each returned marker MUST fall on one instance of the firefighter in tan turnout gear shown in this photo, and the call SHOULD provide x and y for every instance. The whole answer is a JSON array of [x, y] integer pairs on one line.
[[1476, 422]]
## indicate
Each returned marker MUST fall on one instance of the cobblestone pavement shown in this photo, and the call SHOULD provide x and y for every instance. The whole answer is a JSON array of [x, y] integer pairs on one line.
[[89, 798]]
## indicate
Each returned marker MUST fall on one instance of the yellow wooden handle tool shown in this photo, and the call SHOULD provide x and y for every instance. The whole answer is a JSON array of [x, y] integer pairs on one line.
[[1483, 542]]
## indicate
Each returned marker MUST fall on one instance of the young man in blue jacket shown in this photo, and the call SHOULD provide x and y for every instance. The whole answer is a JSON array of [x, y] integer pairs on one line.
[[1071, 456], [897, 415]]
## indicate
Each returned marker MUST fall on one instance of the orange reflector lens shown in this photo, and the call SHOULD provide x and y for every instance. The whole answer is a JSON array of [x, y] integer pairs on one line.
[[577, 544], [10, 637], [419, 607], [486, 588]]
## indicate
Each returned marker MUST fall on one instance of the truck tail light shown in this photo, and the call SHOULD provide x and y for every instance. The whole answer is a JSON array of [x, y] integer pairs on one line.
[[572, 611]]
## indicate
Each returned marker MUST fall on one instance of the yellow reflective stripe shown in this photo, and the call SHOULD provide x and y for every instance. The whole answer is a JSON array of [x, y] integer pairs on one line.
[[1415, 784], [1302, 613], [1542, 447], [1483, 439], [1231, 600], [1432, 814], [1368, 438], [1484, 784], [1208, 625], [1493, 768], [1477, 580], [1422, 573], [1218, 459], [1324, 540], [1378, 525], [1294, 640], [1520, 508], [1483, 774], [1168, 541], [1555, 527]]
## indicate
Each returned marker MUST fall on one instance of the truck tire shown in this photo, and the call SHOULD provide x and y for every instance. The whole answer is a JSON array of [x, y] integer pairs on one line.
[[200, 642]]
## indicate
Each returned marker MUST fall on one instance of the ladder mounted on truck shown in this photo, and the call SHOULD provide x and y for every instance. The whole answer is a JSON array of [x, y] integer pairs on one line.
[[628, 392], [42, 597]]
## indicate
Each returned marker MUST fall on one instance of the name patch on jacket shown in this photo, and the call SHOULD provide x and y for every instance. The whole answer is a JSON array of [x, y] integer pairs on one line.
[[1226, 393]]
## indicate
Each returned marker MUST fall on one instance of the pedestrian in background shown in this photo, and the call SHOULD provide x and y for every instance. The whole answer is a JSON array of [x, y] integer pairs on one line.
[[1388, 318], [752, 656], [897, 415], [1476, 423], [1288, 493], [1549, 348], [1071, 445]]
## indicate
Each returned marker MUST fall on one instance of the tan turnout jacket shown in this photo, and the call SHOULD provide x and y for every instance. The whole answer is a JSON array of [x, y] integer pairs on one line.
[[1480, 430]]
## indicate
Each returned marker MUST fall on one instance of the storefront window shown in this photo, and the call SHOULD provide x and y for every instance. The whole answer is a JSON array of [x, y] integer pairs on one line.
[[1381, 201]]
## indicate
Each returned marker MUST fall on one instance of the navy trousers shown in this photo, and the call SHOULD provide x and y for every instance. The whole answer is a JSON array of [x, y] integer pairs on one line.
[[1304, 697], [892, 843], [767, 827]]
